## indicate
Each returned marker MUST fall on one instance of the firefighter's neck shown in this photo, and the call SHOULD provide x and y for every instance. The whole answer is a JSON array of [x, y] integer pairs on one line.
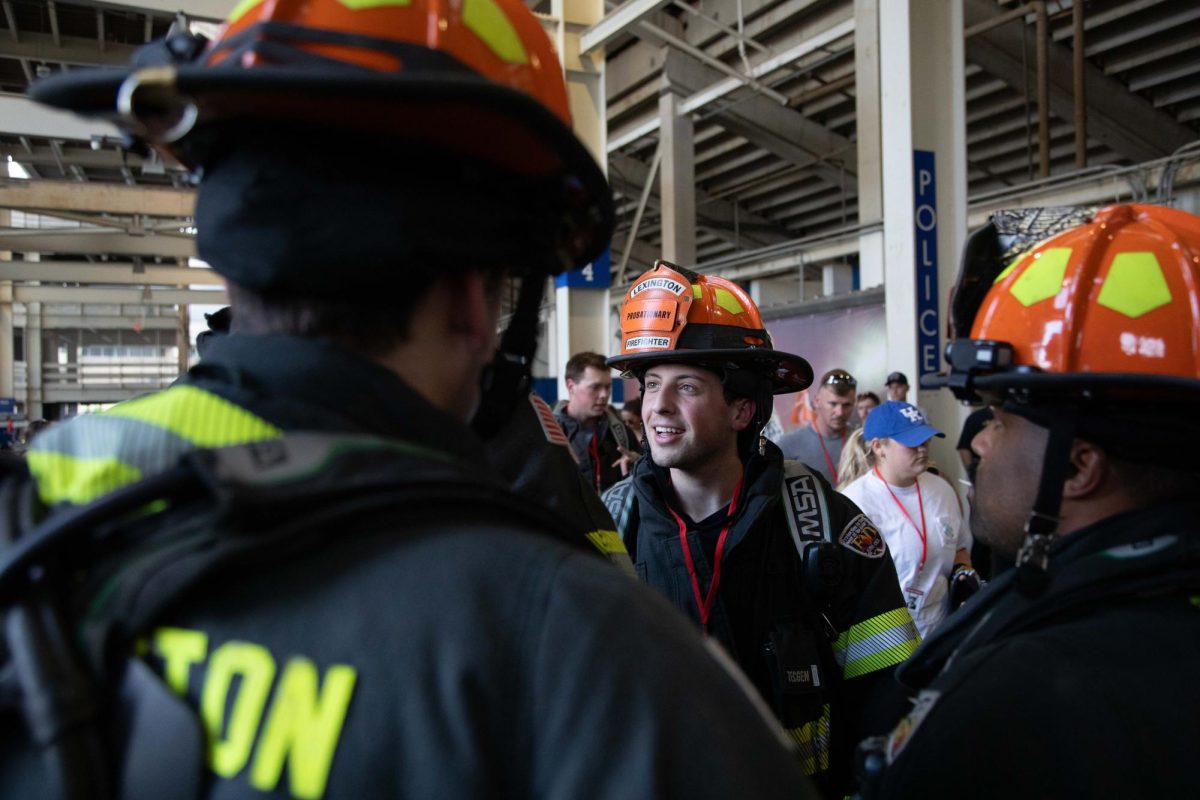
[[707, 488]]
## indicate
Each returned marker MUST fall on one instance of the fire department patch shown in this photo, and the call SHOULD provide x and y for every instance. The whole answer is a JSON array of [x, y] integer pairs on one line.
[[863, 537], [550, 427], [908, 726]]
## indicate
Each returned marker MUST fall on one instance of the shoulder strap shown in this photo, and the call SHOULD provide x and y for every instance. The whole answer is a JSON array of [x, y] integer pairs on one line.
[[806, 504], [617, 426], [621, 501]]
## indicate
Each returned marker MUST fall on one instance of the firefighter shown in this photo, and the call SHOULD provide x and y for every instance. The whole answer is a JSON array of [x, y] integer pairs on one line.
[[763, 556], [294, 573], [1072, 675]]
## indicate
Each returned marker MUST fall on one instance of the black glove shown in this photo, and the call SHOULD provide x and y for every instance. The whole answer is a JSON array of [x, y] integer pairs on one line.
[[964, 583]]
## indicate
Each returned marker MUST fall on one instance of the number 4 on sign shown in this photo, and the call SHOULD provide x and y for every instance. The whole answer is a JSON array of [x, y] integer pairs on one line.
[[589, 274]]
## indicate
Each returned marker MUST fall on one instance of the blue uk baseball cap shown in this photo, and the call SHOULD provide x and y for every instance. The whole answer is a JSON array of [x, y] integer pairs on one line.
[[901, 421]]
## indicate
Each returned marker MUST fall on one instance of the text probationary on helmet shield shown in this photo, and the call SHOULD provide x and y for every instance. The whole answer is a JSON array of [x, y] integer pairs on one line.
[[644, 314], [648, 342], [657, 283]]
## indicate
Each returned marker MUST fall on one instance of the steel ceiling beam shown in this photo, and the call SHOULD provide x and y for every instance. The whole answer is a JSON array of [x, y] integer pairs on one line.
[[719, 216], [20, 116], [98, 198], [774, 127], [1122, 121], [107, 296], [100, 322], [67, 50], [107, 272], [620, 20], [212, 10], [90, 242]]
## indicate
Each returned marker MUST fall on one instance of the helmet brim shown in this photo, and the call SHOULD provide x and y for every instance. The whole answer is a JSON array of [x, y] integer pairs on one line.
[[507, 127], [788, 373]]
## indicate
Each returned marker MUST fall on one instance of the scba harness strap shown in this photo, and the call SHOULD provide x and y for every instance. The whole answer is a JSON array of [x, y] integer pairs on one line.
[[69, 672]]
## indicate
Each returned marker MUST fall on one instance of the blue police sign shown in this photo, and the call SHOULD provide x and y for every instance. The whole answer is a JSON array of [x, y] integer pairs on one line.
[[594, 276], [8, 405], [925, 240]]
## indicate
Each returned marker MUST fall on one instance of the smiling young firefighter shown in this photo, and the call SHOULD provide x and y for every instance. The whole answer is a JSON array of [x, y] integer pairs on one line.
[[293, 573], [761, 553], [1073, 675]]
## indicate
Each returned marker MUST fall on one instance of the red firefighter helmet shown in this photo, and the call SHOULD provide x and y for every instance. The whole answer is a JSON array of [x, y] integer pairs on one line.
[[1109, 307], [476, 78], [674, 315]]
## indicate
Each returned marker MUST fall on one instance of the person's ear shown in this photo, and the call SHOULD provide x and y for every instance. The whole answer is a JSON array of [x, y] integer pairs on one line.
[[1090, 467], [743, 413], [475, 309]]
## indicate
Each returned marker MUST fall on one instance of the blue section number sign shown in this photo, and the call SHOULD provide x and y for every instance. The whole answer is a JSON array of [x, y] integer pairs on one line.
[[925, 240], [594, 276]]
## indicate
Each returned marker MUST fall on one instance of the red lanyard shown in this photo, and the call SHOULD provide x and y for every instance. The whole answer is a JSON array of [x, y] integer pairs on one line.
[[705, 604], [920, 531], [829, 461], [594, 449]]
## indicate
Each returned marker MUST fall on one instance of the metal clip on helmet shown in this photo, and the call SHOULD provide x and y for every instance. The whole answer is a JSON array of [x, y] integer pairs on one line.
[[1093, 332]]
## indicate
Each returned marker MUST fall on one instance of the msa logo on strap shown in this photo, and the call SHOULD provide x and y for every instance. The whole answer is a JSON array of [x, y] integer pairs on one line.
[[648, 343], [657, 283], [863, 537], [802, 490]]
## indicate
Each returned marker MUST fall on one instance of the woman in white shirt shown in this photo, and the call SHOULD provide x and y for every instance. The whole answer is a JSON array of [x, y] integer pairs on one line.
[[917, 512]]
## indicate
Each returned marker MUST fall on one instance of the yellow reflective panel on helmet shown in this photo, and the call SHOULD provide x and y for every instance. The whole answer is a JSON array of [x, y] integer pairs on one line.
[[491, 25], [241, 8], [727, 301], [1043, 278], [697, 291], [359, 5], [1135, 285]]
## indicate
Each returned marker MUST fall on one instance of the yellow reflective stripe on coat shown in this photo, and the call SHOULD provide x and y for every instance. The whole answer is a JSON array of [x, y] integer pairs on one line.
[[197, 416], [64, 479], [607, 542], [813, 742], [95, 454], [877, 643]]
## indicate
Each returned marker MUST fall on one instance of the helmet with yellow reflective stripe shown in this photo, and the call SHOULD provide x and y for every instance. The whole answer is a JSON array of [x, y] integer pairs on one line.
[[1092, 333], [1109, 306], [474, 78], [671, 314]]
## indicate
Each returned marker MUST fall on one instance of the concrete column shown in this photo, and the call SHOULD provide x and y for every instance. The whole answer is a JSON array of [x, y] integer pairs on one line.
[[7, 359], [924, 193], [677, 180], [580, 319], [183, 339], [836, 279], [775, 291], [33, 361], [7, 380], [869, 141]]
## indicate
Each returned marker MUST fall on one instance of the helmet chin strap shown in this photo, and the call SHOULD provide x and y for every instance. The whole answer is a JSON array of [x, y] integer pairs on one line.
[[1033, 559], [509, 377]]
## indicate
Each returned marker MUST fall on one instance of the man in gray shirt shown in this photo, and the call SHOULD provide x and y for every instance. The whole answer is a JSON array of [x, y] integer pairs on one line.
[[820, 445]]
